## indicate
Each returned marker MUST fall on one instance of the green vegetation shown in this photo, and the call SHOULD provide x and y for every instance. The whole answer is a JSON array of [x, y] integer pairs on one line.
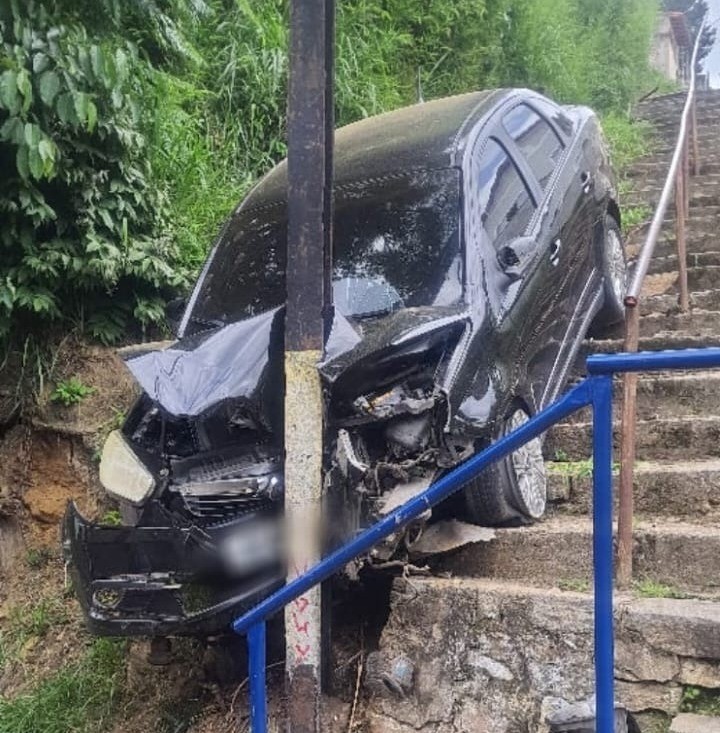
[[575, 585], [70, 392], [635, 216], [128, 130], [700, 700], [26, 625], [80, 697], [653, 589]]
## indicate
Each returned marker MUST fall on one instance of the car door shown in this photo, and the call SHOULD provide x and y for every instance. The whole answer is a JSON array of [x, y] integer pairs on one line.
[[519, 268], [543, 149]]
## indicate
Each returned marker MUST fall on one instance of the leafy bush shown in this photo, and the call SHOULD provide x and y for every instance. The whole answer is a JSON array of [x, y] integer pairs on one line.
[[130, 128], [85, 235]]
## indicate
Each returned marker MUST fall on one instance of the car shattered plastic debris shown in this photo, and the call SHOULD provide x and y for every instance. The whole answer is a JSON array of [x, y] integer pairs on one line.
[[472, 251]]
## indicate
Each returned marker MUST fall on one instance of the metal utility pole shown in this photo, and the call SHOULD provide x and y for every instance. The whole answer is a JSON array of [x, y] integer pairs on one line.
[[309, 295]]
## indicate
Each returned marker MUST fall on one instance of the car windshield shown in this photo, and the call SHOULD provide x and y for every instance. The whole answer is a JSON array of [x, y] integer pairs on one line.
[[396, 245]]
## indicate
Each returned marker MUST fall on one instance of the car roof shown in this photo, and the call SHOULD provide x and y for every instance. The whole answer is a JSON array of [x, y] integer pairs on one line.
[[424, 135]]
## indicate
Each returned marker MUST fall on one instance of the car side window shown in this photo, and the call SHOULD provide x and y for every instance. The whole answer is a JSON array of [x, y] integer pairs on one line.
[[536, 140], [506, 205]]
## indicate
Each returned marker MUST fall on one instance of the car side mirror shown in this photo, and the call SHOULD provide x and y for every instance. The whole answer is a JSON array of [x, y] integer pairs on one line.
[[174, 312], [513, 257]]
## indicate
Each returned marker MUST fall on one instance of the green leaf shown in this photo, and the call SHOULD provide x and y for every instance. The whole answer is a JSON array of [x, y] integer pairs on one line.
[[22, 163], [80, 100], [107, 219], [98, 62], [32, 135], [66, 108], [40, 62], [12, 131], [37, 169], [25, 88], [9, 96], [48, 153], [91, 116], [49, 87]]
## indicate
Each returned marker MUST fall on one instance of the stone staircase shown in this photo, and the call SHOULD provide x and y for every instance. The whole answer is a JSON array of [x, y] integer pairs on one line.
[[501, 635]]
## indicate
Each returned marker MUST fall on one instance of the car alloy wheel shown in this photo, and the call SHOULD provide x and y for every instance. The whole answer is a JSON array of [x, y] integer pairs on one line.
[[528, 467], [616, 266]]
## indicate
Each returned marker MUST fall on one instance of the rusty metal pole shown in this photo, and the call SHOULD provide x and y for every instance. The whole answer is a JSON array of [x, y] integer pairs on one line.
[[308, 296], [680, 184], [696, 151], [626, 507], [686, 176]]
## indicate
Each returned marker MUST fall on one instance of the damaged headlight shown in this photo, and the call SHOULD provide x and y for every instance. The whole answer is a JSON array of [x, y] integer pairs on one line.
[[122, 473]]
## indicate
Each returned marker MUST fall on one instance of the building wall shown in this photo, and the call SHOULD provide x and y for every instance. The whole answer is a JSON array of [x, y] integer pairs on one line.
[[664, 56]]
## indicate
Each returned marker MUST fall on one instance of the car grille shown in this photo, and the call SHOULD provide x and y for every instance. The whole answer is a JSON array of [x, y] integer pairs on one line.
[[225, 506]]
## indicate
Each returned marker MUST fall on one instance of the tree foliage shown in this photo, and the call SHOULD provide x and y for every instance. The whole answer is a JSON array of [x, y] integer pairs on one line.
[[84, 235], [129, 128]]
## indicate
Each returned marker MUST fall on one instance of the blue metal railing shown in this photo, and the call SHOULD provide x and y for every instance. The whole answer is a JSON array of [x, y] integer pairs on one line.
[[595, 390]]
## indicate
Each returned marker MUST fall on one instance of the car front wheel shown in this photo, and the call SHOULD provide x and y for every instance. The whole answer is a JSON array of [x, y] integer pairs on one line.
[[514, 489], [615, 274]]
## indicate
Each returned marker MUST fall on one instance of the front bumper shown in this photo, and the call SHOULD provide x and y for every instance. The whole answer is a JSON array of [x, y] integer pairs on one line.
[[145, 581]]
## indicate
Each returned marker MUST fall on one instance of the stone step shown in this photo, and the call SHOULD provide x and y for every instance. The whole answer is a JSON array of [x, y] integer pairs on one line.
[[658, 342], [492, 655], [698, 243], [667, 262], [674, 438], [680, 555], [652, 168], [682, 489], [654, 183], [669, 394], [703, 278], [667, 304], [694, 723], [695, 323], [651, 197]]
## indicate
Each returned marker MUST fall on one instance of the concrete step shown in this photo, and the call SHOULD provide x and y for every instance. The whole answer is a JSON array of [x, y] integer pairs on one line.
[[679, 555], [697, 243], [699, 198], [489, 655], [657, 342], [667, 304], [664, 261], [694, 723], [703, 278], [669, 394], [664, 438], [702, 183], [651, 168], [681, 489], [695, 323]]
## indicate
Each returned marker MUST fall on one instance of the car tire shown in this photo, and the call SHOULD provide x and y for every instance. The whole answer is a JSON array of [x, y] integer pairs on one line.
[[615, 274], [511, 491]]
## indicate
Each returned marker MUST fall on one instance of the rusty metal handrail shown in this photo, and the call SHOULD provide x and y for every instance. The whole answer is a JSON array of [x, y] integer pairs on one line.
[[677, 179]]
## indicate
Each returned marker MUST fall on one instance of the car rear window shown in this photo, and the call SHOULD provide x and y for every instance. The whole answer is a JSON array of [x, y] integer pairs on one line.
[[505, 201], [536, 140]]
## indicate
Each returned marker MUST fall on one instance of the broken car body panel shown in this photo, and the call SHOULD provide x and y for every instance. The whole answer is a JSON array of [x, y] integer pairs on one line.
[[465, 275]]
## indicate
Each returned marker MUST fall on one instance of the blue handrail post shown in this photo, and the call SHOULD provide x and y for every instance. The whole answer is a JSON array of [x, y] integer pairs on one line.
[[603, 552], [257, 663]]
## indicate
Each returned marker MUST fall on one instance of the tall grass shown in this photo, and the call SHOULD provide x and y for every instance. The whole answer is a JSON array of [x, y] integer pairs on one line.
[[221, 120]]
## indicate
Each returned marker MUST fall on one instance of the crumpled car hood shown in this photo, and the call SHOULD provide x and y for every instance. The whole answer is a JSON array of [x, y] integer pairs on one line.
[[201, 370], [233, 361]]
